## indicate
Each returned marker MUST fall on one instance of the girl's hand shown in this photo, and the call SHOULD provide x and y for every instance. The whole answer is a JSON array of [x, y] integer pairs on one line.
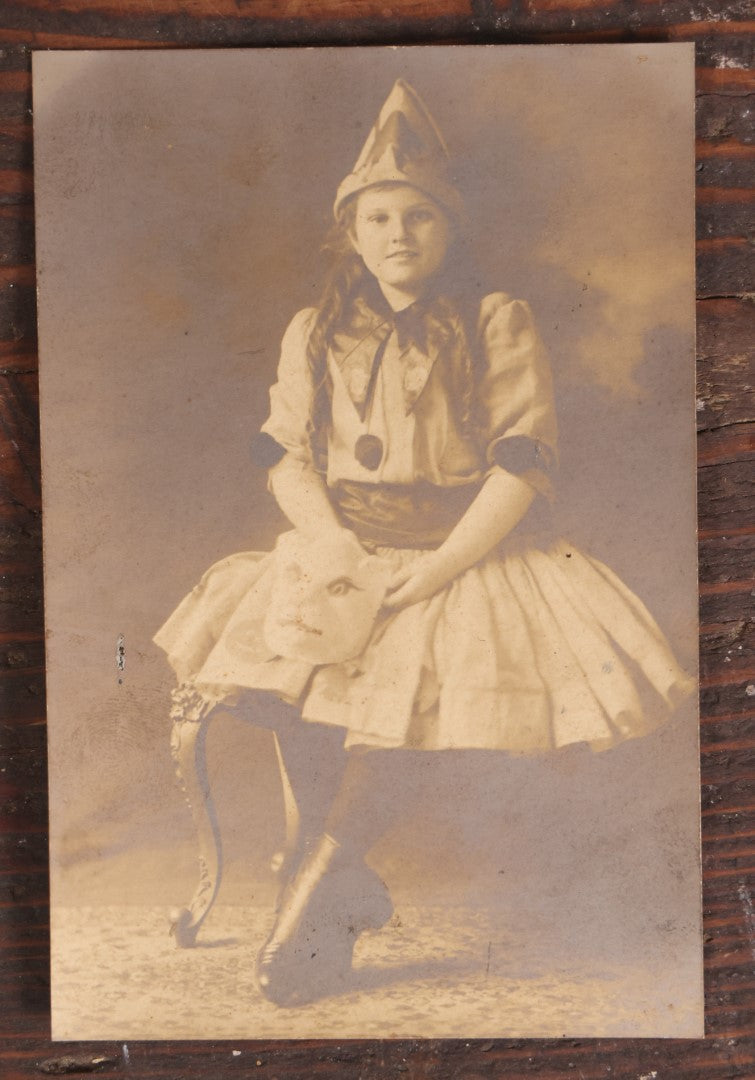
[[500, 505], [414, 583]]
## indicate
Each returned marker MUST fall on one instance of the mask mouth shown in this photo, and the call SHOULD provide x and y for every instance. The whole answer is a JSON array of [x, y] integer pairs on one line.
[[297, 624]]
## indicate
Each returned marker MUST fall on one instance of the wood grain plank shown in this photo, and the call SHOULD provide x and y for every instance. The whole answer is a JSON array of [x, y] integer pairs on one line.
[[233, 10], [726, 494], [653, 13], [265, 22], [724, 116], [727, 608], [724, 112], [726, 560], [725, 336], [717, 446]]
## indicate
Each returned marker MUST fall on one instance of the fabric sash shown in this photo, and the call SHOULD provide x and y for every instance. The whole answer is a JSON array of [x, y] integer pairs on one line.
[[402, 515]]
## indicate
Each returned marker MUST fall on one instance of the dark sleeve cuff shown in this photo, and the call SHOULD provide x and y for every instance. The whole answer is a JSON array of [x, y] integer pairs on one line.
[[519, 454], [265, 451]]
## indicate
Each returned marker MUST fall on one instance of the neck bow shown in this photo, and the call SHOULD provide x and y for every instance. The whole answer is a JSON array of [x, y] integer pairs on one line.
[[423, 331]]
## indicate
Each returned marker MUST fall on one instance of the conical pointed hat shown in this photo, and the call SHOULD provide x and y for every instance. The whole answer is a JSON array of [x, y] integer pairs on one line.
[[404, 147]]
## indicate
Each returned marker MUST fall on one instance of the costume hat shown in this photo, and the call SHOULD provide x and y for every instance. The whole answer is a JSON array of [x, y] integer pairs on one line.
[[404, 147]]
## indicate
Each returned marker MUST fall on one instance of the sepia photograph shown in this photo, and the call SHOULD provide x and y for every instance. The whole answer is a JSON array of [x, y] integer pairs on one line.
[[368, 457]]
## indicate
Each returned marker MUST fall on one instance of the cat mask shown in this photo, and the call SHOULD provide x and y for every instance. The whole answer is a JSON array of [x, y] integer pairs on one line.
[[326, 596]]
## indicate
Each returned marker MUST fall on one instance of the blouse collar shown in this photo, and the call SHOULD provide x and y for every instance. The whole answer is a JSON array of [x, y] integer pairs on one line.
[[423, 331]]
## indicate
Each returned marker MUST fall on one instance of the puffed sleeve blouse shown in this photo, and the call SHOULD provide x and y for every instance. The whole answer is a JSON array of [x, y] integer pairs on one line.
[[411, 405]]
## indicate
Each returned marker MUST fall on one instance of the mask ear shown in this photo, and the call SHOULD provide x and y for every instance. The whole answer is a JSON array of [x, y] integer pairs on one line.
[[289, 543], [350, 541]]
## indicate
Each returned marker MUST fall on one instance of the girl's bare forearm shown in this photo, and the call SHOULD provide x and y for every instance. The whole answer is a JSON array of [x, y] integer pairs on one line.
[[501, 504], [302, 495]]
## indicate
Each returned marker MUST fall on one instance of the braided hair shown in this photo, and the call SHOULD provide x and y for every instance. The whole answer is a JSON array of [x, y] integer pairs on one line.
[[344, 281]]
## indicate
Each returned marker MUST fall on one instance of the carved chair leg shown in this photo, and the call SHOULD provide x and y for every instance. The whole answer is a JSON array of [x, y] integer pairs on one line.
[[191, 714]]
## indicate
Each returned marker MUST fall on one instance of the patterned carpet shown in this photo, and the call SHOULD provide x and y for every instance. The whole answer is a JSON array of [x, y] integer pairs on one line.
[[432, 972]]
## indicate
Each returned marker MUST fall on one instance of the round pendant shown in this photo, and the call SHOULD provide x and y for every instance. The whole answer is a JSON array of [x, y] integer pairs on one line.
[[368, 450]]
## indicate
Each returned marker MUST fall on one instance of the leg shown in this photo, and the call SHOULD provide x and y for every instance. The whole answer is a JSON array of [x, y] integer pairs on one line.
[[308, 954], [376, 788], [322, 779], [312, 762], [333, 896], [191, 714]]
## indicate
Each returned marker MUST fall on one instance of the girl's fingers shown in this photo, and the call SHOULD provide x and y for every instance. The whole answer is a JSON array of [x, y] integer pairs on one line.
[[402, 597], [398, 590], [399, 578], [410, 585], [395, 600]]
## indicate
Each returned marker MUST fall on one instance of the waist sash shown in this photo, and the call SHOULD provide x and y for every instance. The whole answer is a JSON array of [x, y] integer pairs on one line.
[[402, 515]]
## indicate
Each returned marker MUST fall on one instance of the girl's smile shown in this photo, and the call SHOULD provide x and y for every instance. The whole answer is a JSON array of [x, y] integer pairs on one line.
[[402, 236]]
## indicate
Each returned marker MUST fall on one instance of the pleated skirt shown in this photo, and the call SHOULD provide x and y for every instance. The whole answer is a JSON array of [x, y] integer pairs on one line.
[[532, 649]]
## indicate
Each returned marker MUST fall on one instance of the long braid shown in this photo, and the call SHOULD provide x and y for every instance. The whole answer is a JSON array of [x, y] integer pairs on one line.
[[346, 275], [469, 368]]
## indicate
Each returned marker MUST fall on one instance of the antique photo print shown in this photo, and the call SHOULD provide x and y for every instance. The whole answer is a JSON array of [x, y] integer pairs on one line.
[[369, 511]]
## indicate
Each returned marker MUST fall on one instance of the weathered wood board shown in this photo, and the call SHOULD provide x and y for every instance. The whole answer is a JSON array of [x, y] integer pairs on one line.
[[726, 414]]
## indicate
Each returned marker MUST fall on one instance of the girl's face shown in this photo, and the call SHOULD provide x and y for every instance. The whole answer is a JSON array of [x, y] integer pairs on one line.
[[402, 236]]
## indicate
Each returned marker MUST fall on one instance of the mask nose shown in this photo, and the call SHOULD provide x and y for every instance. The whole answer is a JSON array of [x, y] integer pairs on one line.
[[296, 598]]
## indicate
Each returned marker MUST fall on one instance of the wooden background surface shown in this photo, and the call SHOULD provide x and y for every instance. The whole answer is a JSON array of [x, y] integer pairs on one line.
[[726, 412]]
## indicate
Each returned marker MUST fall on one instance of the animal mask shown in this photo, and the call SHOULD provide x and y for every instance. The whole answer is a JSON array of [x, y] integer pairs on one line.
[[325, 598]]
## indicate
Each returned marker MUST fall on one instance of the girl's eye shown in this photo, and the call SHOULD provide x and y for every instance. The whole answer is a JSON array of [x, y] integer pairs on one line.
[[378, 219], [421, 215], [341, 586]]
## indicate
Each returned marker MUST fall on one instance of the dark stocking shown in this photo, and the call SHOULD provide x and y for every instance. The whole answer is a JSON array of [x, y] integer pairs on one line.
[[373, 795], [332, 895], [314, 759]]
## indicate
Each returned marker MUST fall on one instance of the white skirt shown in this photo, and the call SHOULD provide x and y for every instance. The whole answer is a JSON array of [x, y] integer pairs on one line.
[[530, 650]]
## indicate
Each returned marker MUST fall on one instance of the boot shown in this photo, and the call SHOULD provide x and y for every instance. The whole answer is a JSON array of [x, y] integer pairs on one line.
[[358, 889], [363, 895], [311, 760], [312, 763], [308, 954]]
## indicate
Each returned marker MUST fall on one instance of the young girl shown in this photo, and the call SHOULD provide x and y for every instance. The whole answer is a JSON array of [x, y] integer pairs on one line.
[[418, 421]]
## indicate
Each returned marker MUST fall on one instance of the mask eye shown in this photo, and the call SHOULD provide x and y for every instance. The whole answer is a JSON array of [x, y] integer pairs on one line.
[[341, 587]]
